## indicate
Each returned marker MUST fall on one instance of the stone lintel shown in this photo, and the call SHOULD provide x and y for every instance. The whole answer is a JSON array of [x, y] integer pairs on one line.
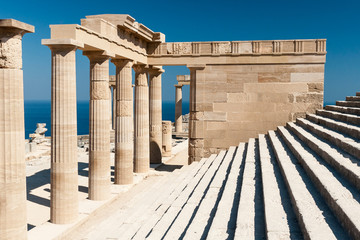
[[196, 66], [59, 42], [12, 23]]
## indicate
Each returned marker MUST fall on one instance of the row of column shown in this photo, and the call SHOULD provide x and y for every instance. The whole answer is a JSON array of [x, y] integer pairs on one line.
[[134, 135]]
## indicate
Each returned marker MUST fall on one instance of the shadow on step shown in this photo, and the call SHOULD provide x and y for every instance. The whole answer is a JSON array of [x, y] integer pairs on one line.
[[168, 168]]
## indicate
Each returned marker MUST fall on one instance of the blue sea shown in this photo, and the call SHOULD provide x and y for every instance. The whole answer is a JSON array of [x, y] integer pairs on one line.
[[40, 112]]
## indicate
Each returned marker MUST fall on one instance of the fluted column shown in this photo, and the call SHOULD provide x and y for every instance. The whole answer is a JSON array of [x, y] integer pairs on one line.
[[155, 114], [64, 165], [99, 127], [124, 138], [113, 107], [178, 108], [141, 133], [12, 153]]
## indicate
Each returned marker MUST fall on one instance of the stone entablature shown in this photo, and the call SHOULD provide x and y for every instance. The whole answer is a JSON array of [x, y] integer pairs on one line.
[[183, 79], [271, 47], [116, 34]]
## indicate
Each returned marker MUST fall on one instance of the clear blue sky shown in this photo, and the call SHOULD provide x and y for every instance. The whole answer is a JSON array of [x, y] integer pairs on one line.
[[337, 21]]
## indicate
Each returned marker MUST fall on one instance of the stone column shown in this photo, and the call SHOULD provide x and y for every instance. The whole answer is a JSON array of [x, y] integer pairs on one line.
[[64, 199], [178, 108], [155, 114], [113, 107], [99, 127], [124, 138], [141, 133], [12, 143], [166, 138]]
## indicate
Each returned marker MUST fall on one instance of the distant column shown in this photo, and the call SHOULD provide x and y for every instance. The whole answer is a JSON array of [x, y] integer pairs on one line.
[[64, 200], [99, 128], [141, 133], [178, 108], [13, 222], [155, 114], [166, 138], [113, 107], [124, 138]]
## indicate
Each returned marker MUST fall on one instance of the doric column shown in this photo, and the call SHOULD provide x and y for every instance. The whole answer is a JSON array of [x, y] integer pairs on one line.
[[113, 107], [12, 158], [155, 114], [64, 165], [178, 108], [141, 133], [99, 127], [124, 139]]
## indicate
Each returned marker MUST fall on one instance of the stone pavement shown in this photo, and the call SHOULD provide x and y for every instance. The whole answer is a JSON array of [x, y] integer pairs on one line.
[[38, 190]]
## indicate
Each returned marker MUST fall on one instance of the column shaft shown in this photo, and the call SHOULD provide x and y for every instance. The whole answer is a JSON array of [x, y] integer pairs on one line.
[[178, 108], [155, 115], [141, 133], [12, 153], [64, 166], [124, 138], [114, 107], [99, 128]]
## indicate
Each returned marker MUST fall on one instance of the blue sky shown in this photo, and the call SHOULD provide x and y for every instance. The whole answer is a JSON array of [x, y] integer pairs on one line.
[[337, 21]]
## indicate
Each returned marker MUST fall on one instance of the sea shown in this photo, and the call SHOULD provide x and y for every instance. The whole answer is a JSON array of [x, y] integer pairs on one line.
[[40, 112]]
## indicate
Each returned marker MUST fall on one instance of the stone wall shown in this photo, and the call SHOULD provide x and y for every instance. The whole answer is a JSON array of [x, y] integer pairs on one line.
[[232, 103]]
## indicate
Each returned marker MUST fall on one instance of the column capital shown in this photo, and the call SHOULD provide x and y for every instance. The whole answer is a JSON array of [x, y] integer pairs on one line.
[[122, 63], [155, 71], [140, 68], [98, 56], [178, 85], [15, 26], [196, 66], [62, 44]]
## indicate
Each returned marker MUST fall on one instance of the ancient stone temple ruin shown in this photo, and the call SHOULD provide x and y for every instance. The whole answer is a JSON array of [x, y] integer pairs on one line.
[[239, 90]]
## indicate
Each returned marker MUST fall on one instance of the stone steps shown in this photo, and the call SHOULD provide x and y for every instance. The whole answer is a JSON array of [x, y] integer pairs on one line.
[[347, 110], [339, 199], [347, 118], [353, 98], [344, 128], [342, 141], [301, 181], [348, 104]]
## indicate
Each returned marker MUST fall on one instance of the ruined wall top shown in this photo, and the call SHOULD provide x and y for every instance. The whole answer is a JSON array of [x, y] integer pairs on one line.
[[124, 22]]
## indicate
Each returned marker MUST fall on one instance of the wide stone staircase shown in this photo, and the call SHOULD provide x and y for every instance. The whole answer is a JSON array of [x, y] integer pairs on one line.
[[301, 181]]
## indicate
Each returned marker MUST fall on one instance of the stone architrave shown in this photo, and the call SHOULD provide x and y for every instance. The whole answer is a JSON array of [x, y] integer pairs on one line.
[[124, 138], [99, 127], [12, 158], [178, 108], [141, 133], [166, 138], [155, 114], [64, 200]]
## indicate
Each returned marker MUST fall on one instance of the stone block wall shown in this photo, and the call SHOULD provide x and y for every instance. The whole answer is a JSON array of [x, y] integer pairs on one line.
[[232, 103]]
